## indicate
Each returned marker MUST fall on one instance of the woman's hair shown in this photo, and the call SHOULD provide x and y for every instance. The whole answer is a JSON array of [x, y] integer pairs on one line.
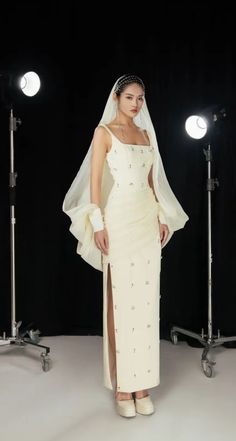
[[125, 80]]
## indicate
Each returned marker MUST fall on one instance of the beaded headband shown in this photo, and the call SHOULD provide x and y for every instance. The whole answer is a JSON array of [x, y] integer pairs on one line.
[[128, 79]]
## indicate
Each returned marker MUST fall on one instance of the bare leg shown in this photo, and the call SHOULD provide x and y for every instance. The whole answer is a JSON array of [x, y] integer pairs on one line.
[[141, 393], [111, 339]]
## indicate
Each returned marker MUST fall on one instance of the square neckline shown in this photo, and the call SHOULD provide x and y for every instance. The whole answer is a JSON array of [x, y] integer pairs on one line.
[[131, 145]]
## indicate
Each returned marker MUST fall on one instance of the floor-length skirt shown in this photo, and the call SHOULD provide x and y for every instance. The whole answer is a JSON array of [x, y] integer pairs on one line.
[[135, 262]]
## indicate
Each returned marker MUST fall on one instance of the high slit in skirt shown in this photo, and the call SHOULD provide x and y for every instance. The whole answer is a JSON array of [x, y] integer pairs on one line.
[[135, 261]]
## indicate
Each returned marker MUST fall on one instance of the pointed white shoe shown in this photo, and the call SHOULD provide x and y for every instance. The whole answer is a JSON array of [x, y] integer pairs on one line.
[[144, 405], [126, 408]]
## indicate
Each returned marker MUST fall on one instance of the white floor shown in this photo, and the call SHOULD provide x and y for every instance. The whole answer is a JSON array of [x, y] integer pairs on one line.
[[70, 403]]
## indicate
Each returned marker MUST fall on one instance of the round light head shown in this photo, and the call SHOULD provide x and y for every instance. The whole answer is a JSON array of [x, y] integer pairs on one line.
[[196, 126], [30, 83]]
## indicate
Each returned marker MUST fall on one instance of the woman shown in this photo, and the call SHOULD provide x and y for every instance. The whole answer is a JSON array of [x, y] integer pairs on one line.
[[123, 212]]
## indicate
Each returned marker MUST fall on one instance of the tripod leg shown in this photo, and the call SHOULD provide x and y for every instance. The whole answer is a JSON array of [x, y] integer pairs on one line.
[[207, 365]]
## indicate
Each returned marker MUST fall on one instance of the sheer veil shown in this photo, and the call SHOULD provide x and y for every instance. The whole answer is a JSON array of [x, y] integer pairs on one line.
[[77, 203]]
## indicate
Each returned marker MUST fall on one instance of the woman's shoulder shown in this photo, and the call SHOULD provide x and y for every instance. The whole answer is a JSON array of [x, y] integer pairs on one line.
[[101, 135], [100, 131]]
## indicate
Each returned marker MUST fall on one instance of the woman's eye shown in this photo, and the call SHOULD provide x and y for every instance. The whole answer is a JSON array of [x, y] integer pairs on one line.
[[130, 98]]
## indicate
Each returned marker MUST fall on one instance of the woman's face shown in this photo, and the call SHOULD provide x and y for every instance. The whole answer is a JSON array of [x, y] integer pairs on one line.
[[131, 100]]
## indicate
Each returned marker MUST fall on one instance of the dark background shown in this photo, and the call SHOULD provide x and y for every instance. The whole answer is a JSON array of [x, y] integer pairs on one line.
[[186, 58]]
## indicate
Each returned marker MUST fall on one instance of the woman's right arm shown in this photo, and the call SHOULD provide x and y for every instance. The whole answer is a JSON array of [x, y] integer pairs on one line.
[[100, 147]]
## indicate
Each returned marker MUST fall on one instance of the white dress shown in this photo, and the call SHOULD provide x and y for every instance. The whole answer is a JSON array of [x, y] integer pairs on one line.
[[131, 219]]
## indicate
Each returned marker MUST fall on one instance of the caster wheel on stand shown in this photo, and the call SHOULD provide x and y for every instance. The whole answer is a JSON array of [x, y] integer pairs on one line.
[[45, 360], [174, 337]]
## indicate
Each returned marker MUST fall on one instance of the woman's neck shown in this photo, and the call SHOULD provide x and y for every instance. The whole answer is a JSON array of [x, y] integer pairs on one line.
[[124, 121]]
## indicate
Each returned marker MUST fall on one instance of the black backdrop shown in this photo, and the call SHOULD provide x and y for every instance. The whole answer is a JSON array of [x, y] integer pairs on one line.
[[186, 57]]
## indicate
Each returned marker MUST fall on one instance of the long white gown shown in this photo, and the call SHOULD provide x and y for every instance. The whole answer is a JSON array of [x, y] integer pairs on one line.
[[131, 219]]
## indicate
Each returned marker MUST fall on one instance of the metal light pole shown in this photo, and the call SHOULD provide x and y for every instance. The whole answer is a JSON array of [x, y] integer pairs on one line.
[[208, 340], [16, 337]]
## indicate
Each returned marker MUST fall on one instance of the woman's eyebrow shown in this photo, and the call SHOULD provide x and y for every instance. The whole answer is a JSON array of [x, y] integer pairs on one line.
[[130, 94]]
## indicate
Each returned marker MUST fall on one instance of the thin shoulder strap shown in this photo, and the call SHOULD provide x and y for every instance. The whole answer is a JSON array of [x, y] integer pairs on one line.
[[146, 136], [107, 129]]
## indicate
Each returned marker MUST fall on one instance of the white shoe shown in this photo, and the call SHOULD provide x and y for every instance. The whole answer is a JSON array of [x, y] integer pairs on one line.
[[144, 405], [126, 408]]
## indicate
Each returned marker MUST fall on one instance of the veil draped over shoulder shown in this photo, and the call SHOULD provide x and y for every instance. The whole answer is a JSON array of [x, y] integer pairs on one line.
[[77, 204]]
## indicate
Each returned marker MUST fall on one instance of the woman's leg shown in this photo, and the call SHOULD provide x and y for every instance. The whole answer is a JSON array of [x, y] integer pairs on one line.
[[111, 339], [141, 393]]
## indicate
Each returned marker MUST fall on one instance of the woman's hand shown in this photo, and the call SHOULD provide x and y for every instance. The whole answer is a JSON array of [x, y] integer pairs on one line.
[[164, 232], [102, 241]]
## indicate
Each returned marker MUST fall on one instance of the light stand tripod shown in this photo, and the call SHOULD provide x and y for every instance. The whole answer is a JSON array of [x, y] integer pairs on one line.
[[17, 337], [208, 340]]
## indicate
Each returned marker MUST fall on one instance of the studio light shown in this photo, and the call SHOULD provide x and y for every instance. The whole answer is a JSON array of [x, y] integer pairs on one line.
[[30, 83], [13, 85], [196, 126], [199, 126]]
